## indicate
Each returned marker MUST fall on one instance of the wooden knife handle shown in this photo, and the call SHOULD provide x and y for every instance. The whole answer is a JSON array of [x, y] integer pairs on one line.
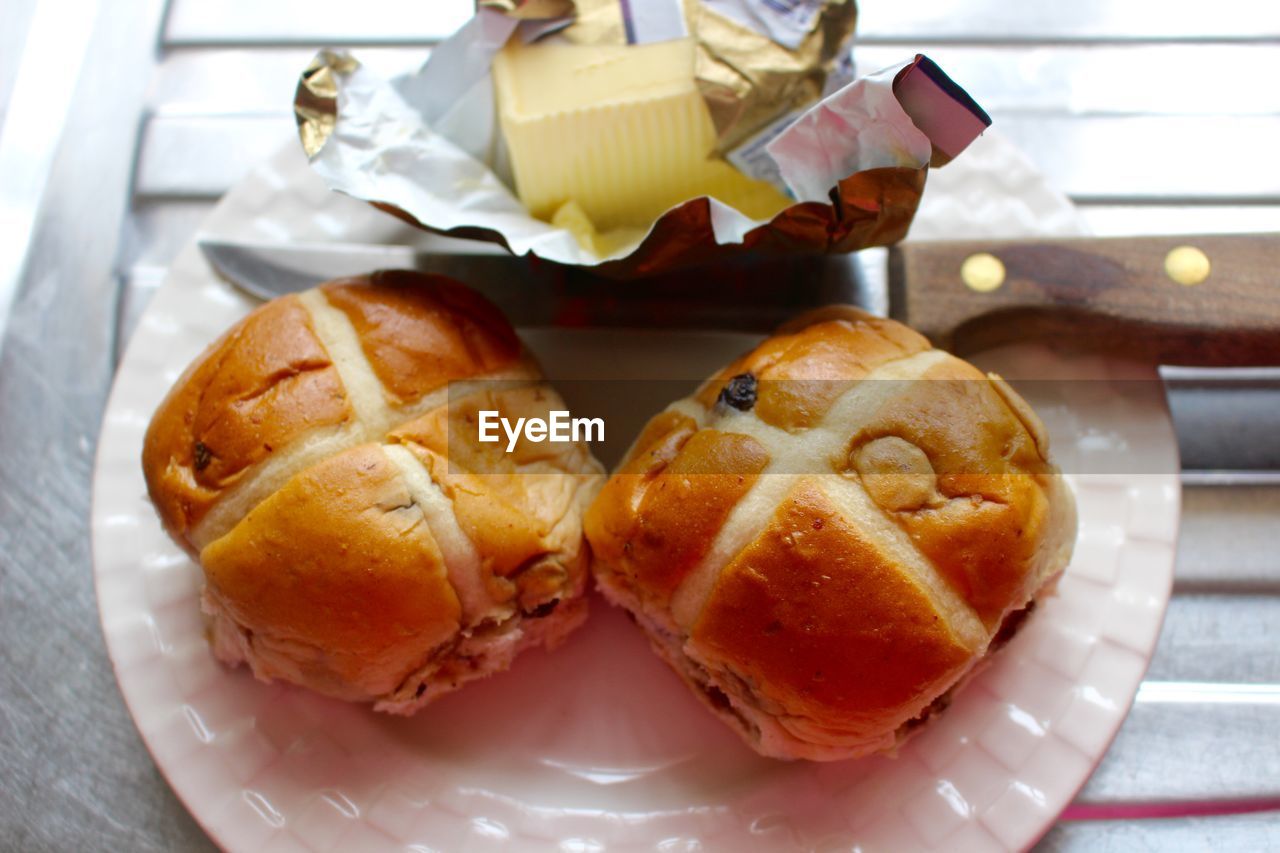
[[1127, 294]]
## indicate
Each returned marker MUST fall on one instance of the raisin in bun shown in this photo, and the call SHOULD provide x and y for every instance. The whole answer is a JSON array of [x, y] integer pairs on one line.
[[355, 536], [821, 554]]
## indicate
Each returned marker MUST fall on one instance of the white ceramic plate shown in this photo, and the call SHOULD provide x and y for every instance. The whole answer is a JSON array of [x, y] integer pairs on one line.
[[598, 745]]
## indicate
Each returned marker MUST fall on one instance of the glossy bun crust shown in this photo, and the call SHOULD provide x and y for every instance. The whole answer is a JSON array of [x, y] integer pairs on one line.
[[827, 537], [355, 536]]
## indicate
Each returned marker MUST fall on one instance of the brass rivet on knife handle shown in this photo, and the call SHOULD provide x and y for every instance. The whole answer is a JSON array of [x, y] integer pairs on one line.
[[982, 271], [1187, 265], [1114, 294]]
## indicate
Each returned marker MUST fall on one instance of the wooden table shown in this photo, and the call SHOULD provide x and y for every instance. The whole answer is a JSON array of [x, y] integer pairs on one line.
[[124, 122]]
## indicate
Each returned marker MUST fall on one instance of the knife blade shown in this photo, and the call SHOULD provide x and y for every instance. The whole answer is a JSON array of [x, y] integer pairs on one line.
[[1196, 301], [751, 294]]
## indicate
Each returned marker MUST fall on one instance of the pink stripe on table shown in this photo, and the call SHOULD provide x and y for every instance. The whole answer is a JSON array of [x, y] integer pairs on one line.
[[1184, 808]]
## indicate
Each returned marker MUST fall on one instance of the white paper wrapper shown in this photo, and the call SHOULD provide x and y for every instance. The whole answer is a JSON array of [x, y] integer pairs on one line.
[[861, 126], [428, 145], [785, 23]]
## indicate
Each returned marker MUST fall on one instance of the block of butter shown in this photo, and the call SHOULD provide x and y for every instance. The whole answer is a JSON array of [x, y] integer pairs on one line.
[[605, 138]]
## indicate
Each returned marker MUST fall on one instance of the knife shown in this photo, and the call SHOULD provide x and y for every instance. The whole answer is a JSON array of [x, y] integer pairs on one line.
[[1197, 301]]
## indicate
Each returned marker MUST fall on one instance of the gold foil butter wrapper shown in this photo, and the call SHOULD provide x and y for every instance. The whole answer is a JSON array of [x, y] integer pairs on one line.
[[531, 10], [315, 104], [749, 80], [426, 147], [748, 73]]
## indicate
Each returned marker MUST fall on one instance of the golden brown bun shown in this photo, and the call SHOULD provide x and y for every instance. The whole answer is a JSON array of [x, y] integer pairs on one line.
[[261, 385], [824, 558], [355, 536]]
